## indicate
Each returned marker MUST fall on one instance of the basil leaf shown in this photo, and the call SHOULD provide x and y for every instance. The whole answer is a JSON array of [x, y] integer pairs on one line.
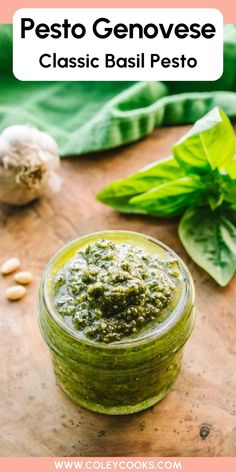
[[210, 239], [209, 144], [231, 169], [229, 192], [226, 190], [118, 193], [171, 198]]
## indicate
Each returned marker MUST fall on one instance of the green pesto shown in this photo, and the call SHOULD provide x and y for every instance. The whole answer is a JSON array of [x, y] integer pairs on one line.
[[109, 291], [141, 290]]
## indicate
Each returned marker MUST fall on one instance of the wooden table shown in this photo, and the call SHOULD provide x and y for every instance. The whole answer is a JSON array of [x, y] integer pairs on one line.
[[198, 417]]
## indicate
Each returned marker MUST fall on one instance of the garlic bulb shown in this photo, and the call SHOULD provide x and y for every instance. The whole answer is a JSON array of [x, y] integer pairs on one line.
[[28, 163]]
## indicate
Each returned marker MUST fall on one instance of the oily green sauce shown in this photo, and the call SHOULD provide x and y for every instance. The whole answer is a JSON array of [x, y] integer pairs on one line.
[[110, 291]]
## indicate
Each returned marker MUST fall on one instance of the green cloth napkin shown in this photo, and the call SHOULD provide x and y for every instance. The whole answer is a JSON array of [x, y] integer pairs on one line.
[[92, 116]]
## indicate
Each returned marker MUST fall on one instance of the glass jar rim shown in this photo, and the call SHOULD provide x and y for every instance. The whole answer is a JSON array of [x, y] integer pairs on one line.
[[187, 294]]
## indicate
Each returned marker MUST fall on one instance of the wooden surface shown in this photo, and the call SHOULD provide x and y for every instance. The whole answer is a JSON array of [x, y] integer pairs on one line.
[[198, 418]]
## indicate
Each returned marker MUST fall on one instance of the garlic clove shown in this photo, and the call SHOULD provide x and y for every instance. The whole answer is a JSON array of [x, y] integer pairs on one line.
[[48, 143]]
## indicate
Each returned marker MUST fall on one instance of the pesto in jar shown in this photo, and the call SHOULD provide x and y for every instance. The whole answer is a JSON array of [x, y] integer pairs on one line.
[[109, 290], [116, 309]]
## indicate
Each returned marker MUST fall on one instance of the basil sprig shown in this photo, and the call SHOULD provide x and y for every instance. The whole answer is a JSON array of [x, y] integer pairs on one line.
[[197, 182]]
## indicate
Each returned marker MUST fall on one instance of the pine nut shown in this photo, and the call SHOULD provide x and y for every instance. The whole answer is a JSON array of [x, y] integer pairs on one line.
[[10, 265], [23, 278], [15, 292]]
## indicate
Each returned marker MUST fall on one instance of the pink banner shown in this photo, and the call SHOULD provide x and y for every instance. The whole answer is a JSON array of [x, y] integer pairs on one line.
[[121, 464], [227, 7]]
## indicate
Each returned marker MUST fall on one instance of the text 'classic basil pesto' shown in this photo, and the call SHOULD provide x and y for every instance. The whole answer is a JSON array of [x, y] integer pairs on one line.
[[116, 308]]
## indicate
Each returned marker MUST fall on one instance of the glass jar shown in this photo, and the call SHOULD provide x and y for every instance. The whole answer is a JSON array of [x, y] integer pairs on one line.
[[129, 375]]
